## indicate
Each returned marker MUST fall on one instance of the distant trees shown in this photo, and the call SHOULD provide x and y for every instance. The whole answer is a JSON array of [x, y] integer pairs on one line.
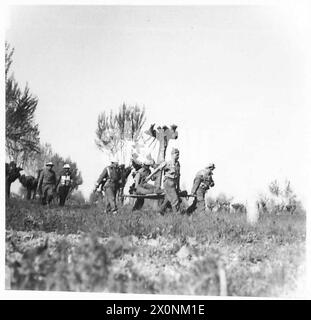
[[223, 202], [220, 203], [37, 161], [22, 133], [115, 132], [280, 199], [45, 154]]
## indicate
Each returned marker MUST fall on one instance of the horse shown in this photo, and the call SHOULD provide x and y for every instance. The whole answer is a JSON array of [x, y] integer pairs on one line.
[[124, 173], [30, 183], [12, 172]]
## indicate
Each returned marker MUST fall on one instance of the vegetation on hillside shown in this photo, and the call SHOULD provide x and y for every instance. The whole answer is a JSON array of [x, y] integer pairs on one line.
[[80, 248]]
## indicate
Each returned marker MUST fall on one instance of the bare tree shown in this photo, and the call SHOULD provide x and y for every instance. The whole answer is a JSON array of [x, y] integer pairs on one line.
[[114, 132]]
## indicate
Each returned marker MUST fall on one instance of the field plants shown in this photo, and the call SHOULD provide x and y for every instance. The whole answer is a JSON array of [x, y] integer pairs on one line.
[[81, 248]]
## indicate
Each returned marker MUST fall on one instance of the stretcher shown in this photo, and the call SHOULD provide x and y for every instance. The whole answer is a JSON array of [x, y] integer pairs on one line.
[[156, 196]]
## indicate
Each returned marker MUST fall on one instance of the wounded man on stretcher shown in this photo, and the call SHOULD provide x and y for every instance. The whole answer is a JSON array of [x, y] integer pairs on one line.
[[141, 186]]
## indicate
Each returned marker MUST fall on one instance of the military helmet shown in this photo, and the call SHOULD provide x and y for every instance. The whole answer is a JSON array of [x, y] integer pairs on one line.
[[175, 151], [66, 166], [49, 164], [211, 166], [114, 159]]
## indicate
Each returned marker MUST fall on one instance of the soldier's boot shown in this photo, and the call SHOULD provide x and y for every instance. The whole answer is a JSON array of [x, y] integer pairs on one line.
[[176, 208], [138, 204]]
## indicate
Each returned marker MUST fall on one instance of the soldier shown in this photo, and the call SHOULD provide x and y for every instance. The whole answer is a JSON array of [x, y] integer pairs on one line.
[[64, 184], [202, 182], [47, 184], [110, 179], [124, 172], [171, 182], [141, 186]]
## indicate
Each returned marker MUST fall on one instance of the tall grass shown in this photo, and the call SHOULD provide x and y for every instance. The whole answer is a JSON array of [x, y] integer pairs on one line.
[[85, 245], [26, 216]]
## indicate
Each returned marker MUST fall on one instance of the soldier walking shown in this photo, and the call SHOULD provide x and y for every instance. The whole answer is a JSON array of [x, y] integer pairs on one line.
[[171, 182], [202, 182], [47, 184], [110, 180], [64, 184]]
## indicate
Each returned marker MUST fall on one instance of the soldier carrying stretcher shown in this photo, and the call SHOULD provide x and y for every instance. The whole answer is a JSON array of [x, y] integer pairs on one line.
[[202, 182], [109, 180], [171, 182]]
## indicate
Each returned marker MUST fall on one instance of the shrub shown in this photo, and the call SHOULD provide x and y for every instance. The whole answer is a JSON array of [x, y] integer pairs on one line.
[[280, 200]]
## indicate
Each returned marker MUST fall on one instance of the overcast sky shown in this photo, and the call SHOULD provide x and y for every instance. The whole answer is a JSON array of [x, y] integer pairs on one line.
[[233, 78]]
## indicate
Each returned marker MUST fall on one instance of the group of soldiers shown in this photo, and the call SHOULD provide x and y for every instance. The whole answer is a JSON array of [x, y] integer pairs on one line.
[[111, 183], [46, 185], [114, 177], [49, 185]]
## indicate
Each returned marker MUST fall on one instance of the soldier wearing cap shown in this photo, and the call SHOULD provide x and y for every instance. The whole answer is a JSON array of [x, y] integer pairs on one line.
[[171, 181], [64, 184], [110, 180], [47, 184], [202, 182], [124, 173]]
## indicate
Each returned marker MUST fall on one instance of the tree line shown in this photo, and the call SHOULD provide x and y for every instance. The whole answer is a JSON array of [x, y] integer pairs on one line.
[[116, 133], [22, 134]]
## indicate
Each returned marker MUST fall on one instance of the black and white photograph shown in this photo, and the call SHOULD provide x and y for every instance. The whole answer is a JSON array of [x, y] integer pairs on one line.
[[159, 150]]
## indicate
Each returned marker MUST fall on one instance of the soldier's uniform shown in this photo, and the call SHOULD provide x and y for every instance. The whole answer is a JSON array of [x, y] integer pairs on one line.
[[202, 182], [110, 178], [64, 184], [171, 181], [47, 185], [143, 187], [124, 173]]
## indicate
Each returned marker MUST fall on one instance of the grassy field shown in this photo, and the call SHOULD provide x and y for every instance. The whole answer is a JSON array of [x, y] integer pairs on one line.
[[80, 248]]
